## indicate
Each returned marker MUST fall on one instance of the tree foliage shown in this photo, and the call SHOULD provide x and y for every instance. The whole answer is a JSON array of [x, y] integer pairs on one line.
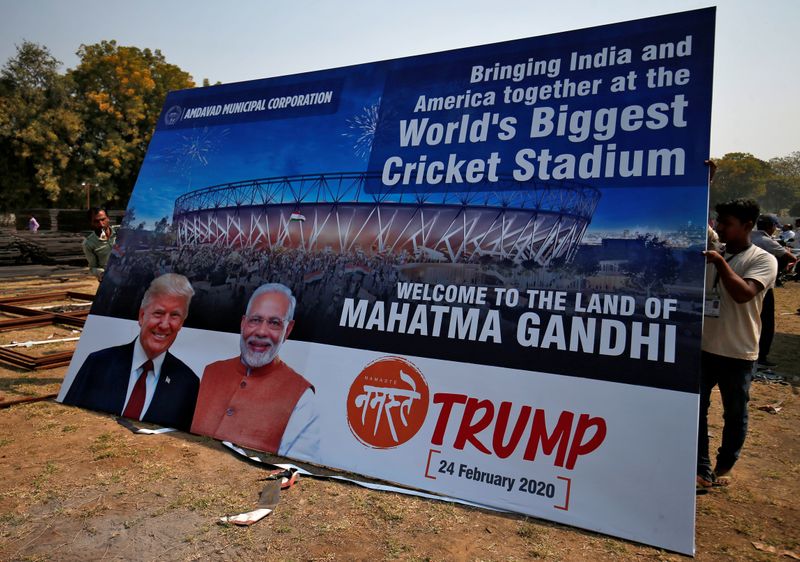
[[786, 166], [39, 126], [774, 184], [739, 175], [123, 89], [33, 69], [91, 125]]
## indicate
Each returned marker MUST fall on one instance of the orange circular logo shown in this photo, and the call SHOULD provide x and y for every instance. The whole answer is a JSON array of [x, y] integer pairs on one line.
[[387, 403]]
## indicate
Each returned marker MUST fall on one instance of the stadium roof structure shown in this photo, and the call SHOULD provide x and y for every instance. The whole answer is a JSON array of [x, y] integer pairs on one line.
[[348, 210]]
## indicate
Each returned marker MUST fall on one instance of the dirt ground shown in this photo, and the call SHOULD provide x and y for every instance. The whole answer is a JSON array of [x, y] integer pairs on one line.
[[78, 486]]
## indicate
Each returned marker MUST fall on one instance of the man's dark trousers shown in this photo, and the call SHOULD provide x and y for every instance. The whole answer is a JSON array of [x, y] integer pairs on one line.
[[767, 325], [733, 377]]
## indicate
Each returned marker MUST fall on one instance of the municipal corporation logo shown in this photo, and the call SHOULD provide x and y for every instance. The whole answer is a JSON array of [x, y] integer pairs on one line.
[[173, 115], [387, 403]]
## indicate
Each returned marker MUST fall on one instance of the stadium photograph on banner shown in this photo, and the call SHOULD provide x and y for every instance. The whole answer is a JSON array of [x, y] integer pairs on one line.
[[475, 272]]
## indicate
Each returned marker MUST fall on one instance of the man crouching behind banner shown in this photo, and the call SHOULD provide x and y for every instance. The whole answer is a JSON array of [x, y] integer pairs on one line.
[[256, 400], [142, 380]]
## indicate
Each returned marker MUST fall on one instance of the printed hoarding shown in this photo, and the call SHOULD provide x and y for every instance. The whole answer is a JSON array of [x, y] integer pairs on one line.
[[495, 257]]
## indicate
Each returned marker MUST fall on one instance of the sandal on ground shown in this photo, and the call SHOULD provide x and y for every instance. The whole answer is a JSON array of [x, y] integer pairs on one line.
[[722, 481], [703, 483]]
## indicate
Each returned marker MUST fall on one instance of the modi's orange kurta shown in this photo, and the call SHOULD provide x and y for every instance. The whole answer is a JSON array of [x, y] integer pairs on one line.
[[249, 407]]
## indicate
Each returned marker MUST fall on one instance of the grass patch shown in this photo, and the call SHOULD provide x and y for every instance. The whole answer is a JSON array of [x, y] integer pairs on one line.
[[11, 519], [395, 548], [535, 540], [106, 446], [36, 410], [199, 504], [34, 558], [206, 500], [386, 510], [155, 470], [41, 478], [90, 511], [611, 545], [526, 531]]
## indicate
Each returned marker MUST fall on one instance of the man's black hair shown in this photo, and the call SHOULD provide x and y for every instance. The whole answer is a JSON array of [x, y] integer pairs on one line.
[[742, 209], [93, 211]]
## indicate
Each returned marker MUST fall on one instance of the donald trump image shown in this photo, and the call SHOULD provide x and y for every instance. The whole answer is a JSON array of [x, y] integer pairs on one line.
[[142, 380]]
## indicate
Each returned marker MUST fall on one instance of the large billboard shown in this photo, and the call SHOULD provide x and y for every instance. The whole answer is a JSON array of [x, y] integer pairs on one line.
[[483, 273]]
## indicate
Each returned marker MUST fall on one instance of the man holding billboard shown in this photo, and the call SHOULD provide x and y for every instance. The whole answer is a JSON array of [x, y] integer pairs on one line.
[[255, 399], [735, 283], [142, 380]]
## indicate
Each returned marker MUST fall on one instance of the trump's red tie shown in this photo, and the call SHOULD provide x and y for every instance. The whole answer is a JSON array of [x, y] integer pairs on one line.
[[135, 403]]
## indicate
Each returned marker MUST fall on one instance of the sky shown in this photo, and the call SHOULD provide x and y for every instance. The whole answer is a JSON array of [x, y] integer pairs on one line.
[[757, 45]]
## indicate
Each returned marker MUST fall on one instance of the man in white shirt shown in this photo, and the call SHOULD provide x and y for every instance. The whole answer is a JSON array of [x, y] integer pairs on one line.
[[735, 283]]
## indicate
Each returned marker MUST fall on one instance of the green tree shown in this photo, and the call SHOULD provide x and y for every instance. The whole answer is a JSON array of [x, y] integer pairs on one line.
[[122, 90], [32, 69], [39, 127], [739, 175], [780, 193], [92, 126], [783, 187], [774, 184], [786, 165]]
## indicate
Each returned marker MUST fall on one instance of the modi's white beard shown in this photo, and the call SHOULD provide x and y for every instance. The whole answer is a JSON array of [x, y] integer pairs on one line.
[[253, 359]]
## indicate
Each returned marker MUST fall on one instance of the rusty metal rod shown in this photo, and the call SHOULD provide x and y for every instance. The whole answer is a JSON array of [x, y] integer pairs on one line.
[[27, 400]]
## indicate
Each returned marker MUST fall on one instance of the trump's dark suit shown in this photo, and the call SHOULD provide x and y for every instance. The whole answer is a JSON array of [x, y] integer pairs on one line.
[[102, 383]]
